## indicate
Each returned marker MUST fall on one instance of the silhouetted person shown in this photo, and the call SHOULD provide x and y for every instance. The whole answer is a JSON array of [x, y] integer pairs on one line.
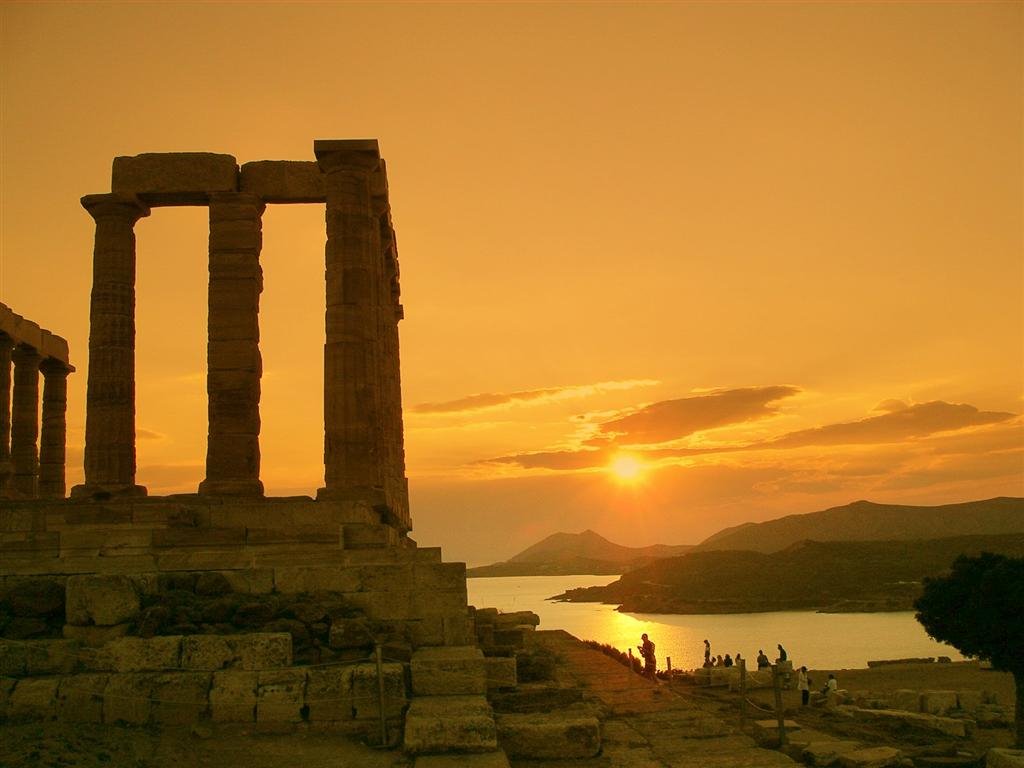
[[831, 686], [728, 660], [762, 660], [646, 649], [782, 653], [739, 659], [803, 684], [707, 653]]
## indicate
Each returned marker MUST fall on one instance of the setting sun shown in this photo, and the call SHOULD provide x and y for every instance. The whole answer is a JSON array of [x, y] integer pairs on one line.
[[626, 469]]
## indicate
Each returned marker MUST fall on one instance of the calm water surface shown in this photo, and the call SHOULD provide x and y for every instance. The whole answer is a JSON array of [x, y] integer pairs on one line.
[[817, 640]]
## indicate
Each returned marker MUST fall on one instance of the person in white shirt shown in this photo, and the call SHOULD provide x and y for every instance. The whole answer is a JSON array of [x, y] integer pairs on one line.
[[803, 684]]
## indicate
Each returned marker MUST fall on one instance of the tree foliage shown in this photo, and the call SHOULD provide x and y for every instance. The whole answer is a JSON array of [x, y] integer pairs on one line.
[[979, 609]]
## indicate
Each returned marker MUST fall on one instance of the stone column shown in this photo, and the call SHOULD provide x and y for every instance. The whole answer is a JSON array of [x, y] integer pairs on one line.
[[353, 451], [25, 421], [53, 436], [110, 400], [6, 347], [234, 365]]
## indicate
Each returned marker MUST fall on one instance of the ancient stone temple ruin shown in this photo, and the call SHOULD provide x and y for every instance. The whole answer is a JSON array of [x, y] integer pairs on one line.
[[227, 605]]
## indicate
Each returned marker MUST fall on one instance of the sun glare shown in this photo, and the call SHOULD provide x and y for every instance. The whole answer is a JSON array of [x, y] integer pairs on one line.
[[626, 469]]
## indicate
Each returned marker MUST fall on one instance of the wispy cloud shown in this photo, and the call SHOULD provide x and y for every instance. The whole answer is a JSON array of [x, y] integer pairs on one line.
[[490, 400], [148, 434]]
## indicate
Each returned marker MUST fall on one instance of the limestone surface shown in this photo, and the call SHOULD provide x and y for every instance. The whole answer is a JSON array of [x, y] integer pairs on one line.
[[549, 735], [444, 670], [439, 724], [873, 757], [174, 178], [101, 600]]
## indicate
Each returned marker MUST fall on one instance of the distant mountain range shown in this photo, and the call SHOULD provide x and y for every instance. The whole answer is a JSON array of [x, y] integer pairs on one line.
[[834, 576], [562, 554], [862, 521], [867, 521]]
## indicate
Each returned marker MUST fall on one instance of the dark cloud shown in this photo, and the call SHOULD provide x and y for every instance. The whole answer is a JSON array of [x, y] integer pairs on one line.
[[673, 419], [497, 399], [914, 421], [565, 460]]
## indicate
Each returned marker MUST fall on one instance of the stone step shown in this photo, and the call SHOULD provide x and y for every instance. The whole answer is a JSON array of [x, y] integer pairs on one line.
[[449, 670], [553, 735], [481, 760], [443, 724]]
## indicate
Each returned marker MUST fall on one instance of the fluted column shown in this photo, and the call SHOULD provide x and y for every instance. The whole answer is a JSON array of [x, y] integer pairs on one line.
[[6, 347], [353, 450], [234, 365], [53, 436], [25, 421], [110, 400]]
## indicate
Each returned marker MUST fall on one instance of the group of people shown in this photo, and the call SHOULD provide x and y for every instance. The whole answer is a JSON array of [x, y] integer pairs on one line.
[[728, 661]]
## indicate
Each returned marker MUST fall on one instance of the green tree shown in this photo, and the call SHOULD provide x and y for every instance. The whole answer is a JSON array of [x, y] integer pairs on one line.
[[978, 608]]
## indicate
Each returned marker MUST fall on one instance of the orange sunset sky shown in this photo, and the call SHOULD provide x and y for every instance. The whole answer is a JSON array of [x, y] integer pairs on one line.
[[758, 258]]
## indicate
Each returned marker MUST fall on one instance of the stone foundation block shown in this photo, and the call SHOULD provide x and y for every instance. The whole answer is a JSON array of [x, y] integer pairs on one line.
[[445, 671], [80, 698], [34, 699], [280, 695], [501, 673], [552, 735], [13, 658], [479, 760], [233, 696], [329, 694], [101, 600], [1004, 758], [827, 753], [968, 701], [180, 698], [368, 536], [458, 630], [207, 652], [6, 689], [938, 702], [516, 619], [251, 581], [384, 606], [317, 579], [905, 699], [444, 577], [874, 757], [947, 726], [439, 724], [95, 637], [127, 699], [365, 694], [136, 654], [351, 633], [263, 650]]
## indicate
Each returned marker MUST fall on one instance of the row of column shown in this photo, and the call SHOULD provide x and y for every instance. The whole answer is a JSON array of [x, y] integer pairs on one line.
[[363, 448], [32, 454]]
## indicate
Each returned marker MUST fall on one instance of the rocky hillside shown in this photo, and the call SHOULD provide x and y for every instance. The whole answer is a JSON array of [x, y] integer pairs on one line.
[[867, 521], [577, 553], [810, 575]]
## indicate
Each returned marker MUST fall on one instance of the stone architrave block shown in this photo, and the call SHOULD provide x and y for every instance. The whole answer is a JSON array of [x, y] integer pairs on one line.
[[445, 671], [127, 699], [906, 699], [283, 181], [174, 178], [437, 724], [968, 701], [280, 696], [80, 698], [207, 652], [263, 650], [872, 757], [826, 753], [233, 696], [551, 735], [1004, 758], [180, 698], [137, 654], [95, 637], [101, 600], [329, 694], [365, 694], [34, 698], [501, 672], [938, 702]]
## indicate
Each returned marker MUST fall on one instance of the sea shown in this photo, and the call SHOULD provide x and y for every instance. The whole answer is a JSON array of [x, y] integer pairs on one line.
[[814, 640]]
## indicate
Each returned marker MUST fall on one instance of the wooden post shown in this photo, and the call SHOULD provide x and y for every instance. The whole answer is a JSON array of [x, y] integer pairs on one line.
[[743, 693], [779, 714], [380, 695]]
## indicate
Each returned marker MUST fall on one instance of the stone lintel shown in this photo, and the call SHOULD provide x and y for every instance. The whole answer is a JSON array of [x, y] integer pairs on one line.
[[25, 332], [283, 181], [174, 178]]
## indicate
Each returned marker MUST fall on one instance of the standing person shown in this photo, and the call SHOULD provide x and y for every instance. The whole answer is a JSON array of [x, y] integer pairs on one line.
[[728, 660], [782, 653], [707, 653], [719, 661], [646, 649], [739, 659], [762, 660], [804, 686]]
